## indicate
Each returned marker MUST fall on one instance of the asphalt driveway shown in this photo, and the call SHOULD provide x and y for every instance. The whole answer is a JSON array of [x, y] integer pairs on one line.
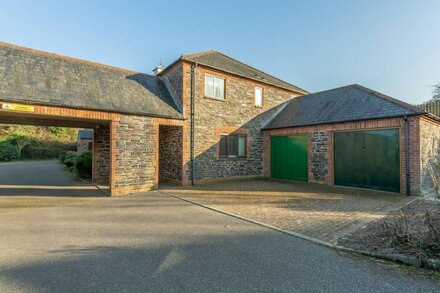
[[155, 243], [26, 185]]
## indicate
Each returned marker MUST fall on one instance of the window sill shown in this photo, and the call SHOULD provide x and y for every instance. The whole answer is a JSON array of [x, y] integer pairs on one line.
[[232, 159], [214, 98]]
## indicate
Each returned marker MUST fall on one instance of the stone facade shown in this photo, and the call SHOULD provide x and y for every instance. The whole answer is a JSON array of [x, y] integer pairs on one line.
[[429, 153], [320, 163], [101, 155], [133, 154], [237, 113], [320, 145], [170, 154]]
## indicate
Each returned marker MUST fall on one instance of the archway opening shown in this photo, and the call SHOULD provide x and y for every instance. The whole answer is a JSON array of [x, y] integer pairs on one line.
[[39, 169]]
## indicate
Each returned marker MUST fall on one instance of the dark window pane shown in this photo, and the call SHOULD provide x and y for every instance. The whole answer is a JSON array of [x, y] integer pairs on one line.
[[232, 146], [223, 149]]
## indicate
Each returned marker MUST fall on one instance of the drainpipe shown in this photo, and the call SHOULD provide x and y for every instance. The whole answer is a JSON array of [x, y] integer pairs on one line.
[[192, 108], [408, 174]]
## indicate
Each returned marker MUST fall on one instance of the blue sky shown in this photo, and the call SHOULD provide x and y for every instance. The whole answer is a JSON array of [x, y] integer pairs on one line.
[[390, 46]]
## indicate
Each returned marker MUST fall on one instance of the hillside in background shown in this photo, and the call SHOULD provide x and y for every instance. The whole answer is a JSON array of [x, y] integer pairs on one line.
[[37, 142]]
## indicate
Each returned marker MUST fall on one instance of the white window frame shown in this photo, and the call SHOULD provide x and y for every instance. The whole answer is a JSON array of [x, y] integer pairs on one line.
[[215, 80], [256, 97]]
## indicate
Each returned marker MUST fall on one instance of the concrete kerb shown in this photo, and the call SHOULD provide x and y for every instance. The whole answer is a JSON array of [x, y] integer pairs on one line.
[[104, 190], [427, 263]]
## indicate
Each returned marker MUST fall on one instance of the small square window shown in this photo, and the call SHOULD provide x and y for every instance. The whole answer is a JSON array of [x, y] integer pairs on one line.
[[214, 87], [232, 146], [259, 97]]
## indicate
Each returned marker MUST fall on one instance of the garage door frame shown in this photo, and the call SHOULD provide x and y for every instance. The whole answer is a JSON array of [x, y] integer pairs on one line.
[[399, 130]]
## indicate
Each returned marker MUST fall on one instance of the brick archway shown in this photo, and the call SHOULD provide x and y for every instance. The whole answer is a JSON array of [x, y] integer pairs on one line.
[[63, 117], [125, 146]]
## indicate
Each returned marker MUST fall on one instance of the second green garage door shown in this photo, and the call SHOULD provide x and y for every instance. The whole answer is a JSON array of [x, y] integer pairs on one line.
[[289, 157], [369, 159]]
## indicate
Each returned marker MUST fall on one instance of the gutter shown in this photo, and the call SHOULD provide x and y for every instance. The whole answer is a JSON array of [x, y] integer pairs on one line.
[[192, 110], [83, 108]]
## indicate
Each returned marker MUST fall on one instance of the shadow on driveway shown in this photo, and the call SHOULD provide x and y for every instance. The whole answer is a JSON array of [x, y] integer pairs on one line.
[[155, 243], [37, 184]]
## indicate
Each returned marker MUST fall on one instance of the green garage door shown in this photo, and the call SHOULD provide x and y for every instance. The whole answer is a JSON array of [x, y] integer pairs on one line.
[[369, 159], [289, 157]]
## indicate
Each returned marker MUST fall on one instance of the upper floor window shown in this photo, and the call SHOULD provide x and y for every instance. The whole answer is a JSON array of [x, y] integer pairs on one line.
[[233, 146], [258, 97], [214, 86]]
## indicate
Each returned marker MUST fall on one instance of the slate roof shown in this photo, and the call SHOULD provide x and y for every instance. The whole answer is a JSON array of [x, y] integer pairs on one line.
[[85, 134], [348, 103], [225, 63], [30, 76]]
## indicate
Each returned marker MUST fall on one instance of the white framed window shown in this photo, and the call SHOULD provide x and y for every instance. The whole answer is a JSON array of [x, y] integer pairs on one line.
[[214, 87], [259, 97]]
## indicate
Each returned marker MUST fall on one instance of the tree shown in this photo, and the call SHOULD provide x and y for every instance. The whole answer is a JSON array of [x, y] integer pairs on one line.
[[21, 141], [436, 92]]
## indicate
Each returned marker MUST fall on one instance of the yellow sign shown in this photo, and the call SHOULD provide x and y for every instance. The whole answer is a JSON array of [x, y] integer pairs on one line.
[[17, 107]]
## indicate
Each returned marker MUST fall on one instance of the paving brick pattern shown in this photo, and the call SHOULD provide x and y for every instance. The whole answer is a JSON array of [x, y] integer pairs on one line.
[[320, 211]]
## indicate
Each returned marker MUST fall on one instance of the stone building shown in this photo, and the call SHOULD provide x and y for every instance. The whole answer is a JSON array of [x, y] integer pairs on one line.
[[354, 136], [84, 141], [204, 117], [227, 114]]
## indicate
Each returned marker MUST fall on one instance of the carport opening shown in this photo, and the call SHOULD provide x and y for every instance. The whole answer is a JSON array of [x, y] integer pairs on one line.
[[170, 154], [53, 156]]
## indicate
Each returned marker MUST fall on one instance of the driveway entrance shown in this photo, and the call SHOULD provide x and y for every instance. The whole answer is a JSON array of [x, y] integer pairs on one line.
[[25, 185], [323, 212]]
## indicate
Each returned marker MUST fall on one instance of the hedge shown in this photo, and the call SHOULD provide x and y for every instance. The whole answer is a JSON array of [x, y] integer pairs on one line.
[[83, 164], [80, 165], [47, 150], [8, 151]]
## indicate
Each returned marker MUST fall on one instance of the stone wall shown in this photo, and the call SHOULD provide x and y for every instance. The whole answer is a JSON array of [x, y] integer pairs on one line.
[[134, 161], [84, 145], [236, 113], [170, 153], [319, 150], [430, 153]]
